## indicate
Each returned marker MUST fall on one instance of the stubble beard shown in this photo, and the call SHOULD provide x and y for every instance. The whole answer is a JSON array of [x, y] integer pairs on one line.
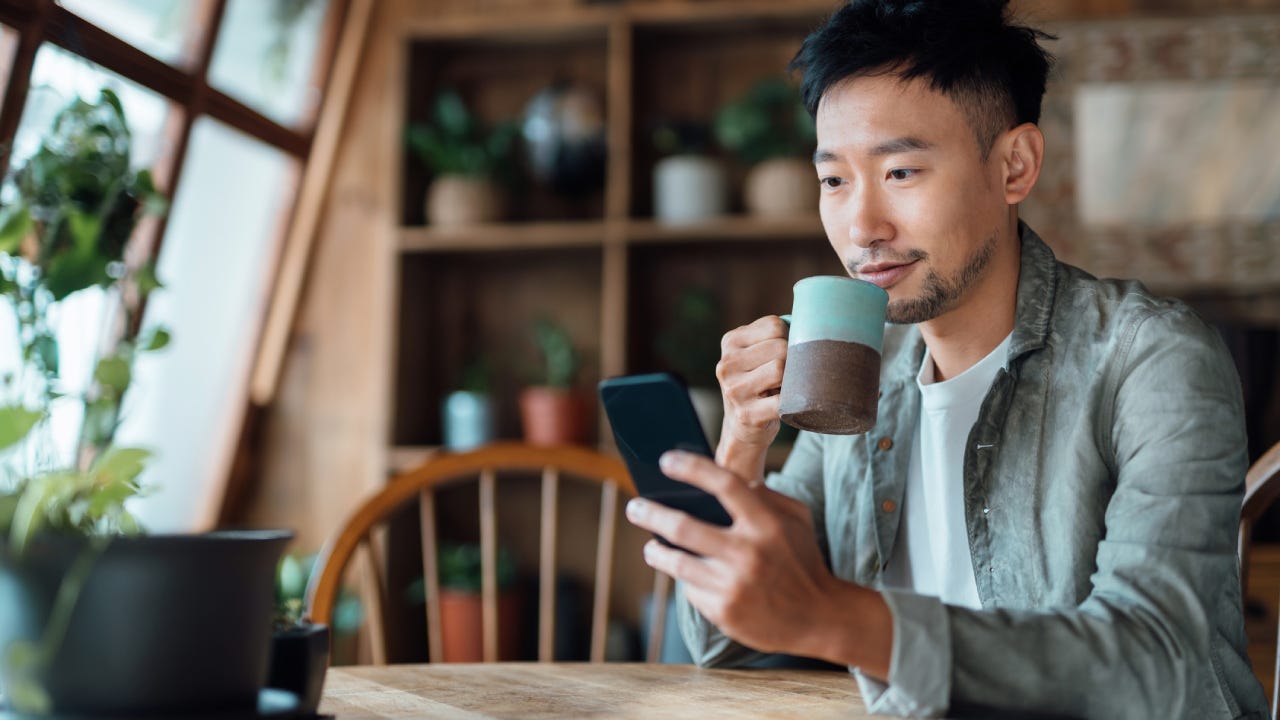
[[939, 295]]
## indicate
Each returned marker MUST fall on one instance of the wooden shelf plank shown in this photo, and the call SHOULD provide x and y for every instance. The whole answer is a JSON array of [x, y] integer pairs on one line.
[[551, 25], [503, 236], [716, 11], [730, 228]]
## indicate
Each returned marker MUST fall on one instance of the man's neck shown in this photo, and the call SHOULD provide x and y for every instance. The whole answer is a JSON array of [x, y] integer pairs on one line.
[[960, 338]]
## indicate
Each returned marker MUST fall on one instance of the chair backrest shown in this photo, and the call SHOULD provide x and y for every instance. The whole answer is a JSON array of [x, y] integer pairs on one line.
[[484, 465], [1262, 487]]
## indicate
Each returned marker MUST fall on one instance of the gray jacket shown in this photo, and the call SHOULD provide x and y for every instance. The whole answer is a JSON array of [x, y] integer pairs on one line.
[[1103, 481]]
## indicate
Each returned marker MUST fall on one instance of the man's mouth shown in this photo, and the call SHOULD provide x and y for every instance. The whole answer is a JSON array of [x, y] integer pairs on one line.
[[884, 274]]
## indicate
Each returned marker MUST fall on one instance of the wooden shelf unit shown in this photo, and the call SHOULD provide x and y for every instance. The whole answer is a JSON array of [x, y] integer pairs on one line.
[[600, 264]]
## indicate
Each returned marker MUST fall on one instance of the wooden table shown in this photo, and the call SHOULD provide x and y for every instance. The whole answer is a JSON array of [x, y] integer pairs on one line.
[[576, 690]]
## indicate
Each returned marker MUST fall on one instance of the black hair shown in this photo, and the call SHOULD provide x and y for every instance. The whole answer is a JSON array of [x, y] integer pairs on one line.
[[968, 50]]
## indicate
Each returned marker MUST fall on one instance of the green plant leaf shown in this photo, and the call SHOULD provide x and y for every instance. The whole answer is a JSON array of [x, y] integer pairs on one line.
[[119, 465], [44, 349], [15, 423], [85, 230], [157, 339], [147, 279], [15, 224], [113, 372], [8, 506], [22, 663]]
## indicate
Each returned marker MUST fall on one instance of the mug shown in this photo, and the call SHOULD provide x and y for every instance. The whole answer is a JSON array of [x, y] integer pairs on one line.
[[831, 382]]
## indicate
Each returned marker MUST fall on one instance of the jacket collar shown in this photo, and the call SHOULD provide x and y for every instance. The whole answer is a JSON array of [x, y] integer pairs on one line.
[[1037, 288]]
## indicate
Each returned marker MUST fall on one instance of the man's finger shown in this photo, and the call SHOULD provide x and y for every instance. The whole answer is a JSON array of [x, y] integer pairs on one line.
[[676, 526], [765, 328], [694, 571], [734, 493]]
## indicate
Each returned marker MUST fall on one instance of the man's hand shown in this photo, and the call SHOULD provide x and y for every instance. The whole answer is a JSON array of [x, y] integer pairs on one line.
[[762, 581], [750, 375]]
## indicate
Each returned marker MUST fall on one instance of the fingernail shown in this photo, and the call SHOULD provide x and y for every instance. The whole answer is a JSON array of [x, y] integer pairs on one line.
[[635, 508], [649, 549], [671, 460]]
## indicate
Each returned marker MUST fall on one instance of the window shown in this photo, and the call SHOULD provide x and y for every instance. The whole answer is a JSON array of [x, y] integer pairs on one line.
[[220, 98]]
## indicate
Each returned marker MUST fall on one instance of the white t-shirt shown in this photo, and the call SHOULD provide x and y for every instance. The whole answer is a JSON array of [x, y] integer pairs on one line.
[[931, 556]]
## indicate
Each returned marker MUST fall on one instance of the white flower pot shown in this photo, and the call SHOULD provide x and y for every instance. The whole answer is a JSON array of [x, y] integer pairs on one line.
[[468, 420], [689, 189]]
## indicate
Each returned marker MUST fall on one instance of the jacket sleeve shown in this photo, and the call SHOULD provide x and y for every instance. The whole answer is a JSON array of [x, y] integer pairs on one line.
[[801, 478], [1141, 640]]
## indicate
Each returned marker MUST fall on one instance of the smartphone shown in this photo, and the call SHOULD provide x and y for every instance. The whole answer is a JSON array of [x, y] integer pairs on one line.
[[651, 414]]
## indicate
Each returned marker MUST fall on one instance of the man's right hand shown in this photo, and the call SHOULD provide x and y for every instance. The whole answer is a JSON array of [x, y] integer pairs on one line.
[[750, 374]]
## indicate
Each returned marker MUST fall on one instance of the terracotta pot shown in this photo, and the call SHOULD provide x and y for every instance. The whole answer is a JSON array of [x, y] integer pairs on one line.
[[552, 416], [462, 626], [457, 201], [784, 187]]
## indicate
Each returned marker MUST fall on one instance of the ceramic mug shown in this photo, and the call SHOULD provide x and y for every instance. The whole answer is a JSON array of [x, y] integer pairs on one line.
[[831, 382]]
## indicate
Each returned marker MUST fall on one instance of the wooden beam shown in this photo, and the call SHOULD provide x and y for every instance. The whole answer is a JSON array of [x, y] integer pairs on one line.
[[315, 185]]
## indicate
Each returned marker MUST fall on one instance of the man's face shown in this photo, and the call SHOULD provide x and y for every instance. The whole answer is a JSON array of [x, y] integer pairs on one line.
[[907, 201]]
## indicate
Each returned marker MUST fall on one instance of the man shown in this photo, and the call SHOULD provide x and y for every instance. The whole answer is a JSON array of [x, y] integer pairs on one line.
[[1044, 518]]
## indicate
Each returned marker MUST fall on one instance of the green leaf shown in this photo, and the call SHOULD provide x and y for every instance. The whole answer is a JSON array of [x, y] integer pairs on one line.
[[113, 372], [22, 663], [15, 224], [8, 506], [15, 423], [109, 499], [148, 281], [44, 348], [157, 339], [99, 423], [119, 465], [85, 229], [71, 272]]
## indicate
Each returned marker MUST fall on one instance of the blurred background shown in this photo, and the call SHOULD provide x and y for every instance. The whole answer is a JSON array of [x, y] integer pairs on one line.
[[388, 219]]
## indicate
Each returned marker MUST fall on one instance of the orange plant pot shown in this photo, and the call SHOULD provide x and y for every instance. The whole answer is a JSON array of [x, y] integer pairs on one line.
[[462, 626], [553, 416]]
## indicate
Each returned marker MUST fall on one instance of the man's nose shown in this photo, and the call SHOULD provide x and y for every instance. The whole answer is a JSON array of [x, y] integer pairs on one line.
[[868, 221]]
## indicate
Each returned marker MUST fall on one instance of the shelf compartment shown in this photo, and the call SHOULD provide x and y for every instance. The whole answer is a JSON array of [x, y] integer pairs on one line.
[[457, 306], [502, 236], [730, 228]]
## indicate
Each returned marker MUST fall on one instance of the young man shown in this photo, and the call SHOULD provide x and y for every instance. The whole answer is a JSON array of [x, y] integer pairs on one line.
[[1044, 518]]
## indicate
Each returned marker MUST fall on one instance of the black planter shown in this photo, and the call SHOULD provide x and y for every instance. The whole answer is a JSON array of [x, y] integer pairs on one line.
[[299, 659], [165, 624]]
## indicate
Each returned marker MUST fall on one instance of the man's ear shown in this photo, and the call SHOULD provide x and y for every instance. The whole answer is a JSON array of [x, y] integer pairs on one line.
[[1023, 154]]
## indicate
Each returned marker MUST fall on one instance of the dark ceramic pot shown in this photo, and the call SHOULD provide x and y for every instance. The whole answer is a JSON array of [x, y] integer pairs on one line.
[[164, 625], [299, 659]]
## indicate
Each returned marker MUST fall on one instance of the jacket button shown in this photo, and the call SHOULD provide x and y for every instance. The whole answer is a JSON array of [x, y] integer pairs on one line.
[[889, 506], [886, 443]]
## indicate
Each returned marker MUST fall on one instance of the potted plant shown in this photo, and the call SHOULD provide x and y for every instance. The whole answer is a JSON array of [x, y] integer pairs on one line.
[[552, 412], [770, 131], [468, 412], [461, 616], [689, 184], [464, 157], [690, 346], [299, 647], [98, 617]]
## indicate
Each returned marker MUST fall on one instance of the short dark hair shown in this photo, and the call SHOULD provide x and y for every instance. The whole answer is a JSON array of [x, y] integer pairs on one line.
[[968, 50]]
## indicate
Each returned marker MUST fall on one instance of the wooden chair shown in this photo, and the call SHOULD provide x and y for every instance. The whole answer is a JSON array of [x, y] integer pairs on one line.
[[484, 465], [1262, 487]]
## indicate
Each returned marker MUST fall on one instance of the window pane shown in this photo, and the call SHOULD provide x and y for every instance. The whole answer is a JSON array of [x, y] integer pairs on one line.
[[79, 321], [157, 27], [58, 76], [266, 56], [216, 262]]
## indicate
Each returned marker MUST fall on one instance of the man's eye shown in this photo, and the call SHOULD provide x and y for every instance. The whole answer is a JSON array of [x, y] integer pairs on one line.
[[901, 174], [830, 182]]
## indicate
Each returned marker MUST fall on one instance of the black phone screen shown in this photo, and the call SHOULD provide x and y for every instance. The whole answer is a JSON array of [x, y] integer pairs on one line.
[[651, 414]]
